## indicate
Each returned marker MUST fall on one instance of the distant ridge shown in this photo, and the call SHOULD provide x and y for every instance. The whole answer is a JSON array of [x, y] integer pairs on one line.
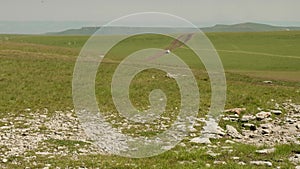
[[242, 27], [119, 30], [248, 27]]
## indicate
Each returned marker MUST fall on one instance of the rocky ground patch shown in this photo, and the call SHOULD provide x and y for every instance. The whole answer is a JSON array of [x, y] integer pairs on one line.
[[39, 133]]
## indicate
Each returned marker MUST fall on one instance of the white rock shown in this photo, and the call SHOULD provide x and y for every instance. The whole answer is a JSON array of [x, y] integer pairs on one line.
[[229, 142], [267, 163], [241, 163], [172, 76], [5, 127], [192, 130], [193, 134], [201, 140], [231, 131], [212, 153], [251, 126], [267, 82], [167, 147], [235, 110], [182, 144], [212, 129], [43, 116], [226, 147], [265, 131], [4, 160], [266, 151], [42, 153], [266, 126], [295, 159], [276, 112], [235, 158], [247, 118], [220, 162], [262, 115]]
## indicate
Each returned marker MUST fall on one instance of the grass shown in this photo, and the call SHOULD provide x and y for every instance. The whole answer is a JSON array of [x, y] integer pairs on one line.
[[36, 72]]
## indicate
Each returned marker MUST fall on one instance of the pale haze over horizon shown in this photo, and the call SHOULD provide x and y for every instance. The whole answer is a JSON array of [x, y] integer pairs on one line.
[[77, 13]]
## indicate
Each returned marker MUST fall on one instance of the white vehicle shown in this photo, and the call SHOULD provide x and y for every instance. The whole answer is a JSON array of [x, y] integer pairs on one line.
[[168, 51]]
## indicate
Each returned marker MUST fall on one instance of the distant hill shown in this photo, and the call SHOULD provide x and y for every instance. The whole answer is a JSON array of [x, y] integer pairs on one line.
[[247, 27], [120, 30], [81, 31], [242, 27]]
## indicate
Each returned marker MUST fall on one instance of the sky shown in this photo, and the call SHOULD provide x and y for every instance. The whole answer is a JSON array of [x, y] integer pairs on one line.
[[199, 12]]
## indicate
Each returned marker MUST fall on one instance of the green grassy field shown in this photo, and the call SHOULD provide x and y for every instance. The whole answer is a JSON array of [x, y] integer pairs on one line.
[[36, 72]]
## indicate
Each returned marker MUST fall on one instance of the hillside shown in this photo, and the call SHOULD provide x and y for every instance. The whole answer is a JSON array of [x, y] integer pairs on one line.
[[247, 27], [242, 27]]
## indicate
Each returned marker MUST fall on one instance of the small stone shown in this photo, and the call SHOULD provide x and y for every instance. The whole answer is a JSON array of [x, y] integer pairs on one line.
[[4, 160], [81, 150], [226, 118], [5, 127], [267, 82], [182, 144], [265, 131], [201, 140], [212, 146], [193, 134], [276, 128], [43, 116], [42, 153], [212, 129], [250, 126], [220, 162], [197, 125], [262, 115], [295, 159], [265, 151], [60, 147], [167, 147], [266, 126], [171, 76], [192, 130], [235, 158], [241, 163], [267, 163], [226, 147], [276, 112], [247, 118], [212, 153], [229, 142], [231, 131], [297, 167], [290, 120], [235, 110], [267, 119]]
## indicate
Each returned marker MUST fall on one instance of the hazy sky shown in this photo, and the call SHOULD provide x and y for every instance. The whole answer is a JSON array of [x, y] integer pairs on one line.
[[206, 11], [98, 12]]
